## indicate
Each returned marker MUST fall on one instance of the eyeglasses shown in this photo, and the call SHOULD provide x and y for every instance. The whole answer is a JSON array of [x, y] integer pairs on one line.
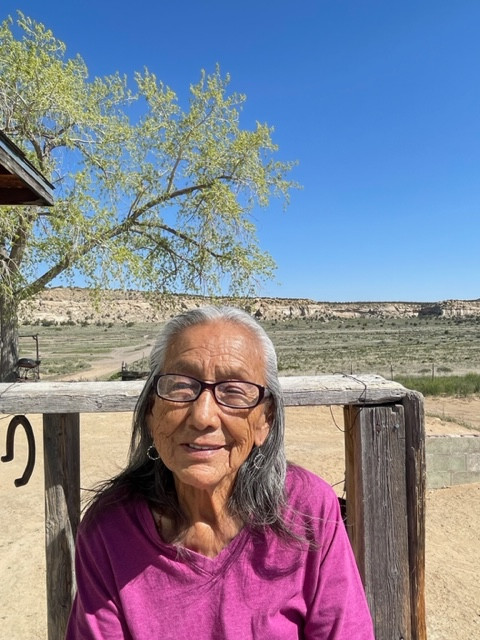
[[236, 394]]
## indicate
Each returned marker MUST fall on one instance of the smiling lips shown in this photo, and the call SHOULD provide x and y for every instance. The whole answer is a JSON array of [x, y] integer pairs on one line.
[[203, 447]]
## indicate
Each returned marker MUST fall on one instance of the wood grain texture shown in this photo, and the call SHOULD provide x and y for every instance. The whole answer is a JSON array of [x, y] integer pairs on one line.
[[416, 504], [99, 397], [61, 444], [376, 436]]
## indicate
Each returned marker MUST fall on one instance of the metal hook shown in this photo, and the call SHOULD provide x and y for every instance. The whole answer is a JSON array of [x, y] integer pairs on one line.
[[14, 422]]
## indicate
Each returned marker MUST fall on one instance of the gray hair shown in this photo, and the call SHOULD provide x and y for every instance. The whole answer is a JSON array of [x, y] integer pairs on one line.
[[258, 493]]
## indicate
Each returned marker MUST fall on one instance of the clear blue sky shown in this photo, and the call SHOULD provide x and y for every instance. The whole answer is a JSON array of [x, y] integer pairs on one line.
[[379, 101]]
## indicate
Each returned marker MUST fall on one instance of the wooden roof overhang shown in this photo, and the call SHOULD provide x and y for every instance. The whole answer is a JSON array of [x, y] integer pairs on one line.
[[20, 182]]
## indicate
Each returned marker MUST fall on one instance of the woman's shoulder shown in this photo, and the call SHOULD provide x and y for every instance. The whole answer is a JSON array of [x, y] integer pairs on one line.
[[112, 510], [304, 488], [299, 476]]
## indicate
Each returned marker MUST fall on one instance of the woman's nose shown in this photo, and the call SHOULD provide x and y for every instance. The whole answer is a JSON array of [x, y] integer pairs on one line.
[[205, 410]]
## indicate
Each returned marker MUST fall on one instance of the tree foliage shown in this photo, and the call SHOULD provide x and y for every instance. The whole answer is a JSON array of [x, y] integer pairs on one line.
[[147, 194]]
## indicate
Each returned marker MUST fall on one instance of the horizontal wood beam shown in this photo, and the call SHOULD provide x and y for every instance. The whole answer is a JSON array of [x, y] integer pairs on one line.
[[105, 397], [340, 389]]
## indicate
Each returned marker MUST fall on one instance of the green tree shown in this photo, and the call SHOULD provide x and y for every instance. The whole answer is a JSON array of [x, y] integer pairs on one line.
[[147, 194]]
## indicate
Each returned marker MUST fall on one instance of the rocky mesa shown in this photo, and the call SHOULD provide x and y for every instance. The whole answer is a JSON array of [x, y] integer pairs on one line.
[[67, 305]]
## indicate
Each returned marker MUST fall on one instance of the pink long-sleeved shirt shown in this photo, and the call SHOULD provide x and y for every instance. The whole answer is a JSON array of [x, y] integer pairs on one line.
[[133, 585]]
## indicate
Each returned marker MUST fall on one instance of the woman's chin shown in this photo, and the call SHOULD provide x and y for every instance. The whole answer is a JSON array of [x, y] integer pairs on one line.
[[203, 477]]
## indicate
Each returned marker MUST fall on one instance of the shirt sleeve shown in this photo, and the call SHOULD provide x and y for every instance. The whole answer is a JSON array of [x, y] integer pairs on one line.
[[339, 609], [95, 613]]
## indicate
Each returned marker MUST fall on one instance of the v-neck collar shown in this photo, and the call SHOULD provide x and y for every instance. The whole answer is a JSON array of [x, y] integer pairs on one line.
[[197, 561]]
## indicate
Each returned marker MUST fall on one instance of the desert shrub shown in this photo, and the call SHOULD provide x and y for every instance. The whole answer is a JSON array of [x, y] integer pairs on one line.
[[466, 385], [45, 322], [64, 366]]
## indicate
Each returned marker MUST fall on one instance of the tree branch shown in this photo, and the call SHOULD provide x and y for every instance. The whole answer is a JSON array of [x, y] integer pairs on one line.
[[179, 234]]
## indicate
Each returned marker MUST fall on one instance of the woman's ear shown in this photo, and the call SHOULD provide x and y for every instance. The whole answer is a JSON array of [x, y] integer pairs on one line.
[[262, 429]]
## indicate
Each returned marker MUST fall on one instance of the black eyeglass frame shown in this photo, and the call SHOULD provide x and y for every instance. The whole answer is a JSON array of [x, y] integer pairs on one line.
[[263, 392]]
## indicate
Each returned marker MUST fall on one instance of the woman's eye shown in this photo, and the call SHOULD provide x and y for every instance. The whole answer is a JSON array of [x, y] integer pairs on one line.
[[233, 390], [181, 387]]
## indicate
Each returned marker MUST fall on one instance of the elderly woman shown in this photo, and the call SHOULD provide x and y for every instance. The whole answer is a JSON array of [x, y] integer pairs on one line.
[[208, 533]]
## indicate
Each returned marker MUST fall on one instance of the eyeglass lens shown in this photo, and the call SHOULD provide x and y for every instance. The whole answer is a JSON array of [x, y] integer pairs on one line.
[[232, 393]]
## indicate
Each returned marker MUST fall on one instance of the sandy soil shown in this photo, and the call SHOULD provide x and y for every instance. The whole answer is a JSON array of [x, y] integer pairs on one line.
[[315, 440], [108, 365]]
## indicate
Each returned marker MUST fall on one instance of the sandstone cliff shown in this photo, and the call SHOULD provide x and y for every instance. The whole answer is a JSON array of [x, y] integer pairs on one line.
[[75, 305]]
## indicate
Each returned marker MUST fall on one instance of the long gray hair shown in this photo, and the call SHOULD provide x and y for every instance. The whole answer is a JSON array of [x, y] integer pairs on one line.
[[258, 494]]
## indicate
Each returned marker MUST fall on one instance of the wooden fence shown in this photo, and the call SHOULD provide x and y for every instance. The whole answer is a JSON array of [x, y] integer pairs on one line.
[[385, 483]]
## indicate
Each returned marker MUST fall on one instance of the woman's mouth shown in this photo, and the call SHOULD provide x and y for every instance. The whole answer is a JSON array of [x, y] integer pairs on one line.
[[203, 447]]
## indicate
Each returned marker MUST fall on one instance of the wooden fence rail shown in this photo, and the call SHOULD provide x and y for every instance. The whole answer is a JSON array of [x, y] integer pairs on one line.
[[385, 483]]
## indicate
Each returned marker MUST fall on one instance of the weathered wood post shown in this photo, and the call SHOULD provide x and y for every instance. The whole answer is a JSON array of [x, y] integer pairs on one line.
[[416, 501], [385, 486], [61, 446]]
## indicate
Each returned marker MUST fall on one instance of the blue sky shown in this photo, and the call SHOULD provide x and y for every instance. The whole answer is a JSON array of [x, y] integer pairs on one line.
[[378, 101]]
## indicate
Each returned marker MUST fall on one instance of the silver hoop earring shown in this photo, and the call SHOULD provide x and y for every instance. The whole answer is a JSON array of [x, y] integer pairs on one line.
[[258, 460], [152, 453]]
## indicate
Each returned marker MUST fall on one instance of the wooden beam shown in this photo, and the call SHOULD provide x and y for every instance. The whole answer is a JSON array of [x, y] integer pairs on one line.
[[104, 397], [19, 196], [61, 446], [416, 507], [340, 389], [10, 181], [69, 397], [14, 161], [386, 538]]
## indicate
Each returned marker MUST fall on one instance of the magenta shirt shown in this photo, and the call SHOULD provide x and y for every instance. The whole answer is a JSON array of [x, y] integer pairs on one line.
[[133, 585]]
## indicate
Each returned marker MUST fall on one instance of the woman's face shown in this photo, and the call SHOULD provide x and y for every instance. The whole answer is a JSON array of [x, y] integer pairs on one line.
[[202, 442]]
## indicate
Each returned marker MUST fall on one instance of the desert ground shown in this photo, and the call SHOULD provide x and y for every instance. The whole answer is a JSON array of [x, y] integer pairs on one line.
[[314, 440]]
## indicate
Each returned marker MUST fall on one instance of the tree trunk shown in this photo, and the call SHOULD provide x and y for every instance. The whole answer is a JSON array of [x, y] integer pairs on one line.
[[8, 338]]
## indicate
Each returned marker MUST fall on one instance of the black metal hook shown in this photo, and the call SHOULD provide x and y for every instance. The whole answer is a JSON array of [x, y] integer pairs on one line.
[[14, 422]]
